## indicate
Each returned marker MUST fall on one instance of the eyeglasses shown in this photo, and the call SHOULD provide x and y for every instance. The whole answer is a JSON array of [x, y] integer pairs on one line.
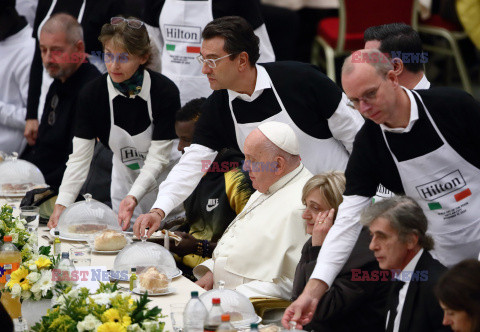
[[367, 98], [212, 63], [132, 23], [52, 116]]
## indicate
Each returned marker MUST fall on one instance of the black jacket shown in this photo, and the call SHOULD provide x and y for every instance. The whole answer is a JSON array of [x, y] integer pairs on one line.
[[349, 305], [421, 311]]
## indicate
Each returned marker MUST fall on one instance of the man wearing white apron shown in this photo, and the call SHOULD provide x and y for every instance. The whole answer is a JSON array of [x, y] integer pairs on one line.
[[400, 41], [423, 144], [249, 94], [179, 25], [91, 15]]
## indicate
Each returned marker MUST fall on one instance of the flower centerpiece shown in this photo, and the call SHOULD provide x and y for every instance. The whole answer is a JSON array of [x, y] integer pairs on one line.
[[107, 310], [16, 228], [33, 279]]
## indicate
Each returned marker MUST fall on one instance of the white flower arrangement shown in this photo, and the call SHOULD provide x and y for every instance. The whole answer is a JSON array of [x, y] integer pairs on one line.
[[33, 279]]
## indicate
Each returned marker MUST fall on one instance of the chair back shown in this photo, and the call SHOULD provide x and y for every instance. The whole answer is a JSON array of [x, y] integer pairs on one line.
[[362, 14]]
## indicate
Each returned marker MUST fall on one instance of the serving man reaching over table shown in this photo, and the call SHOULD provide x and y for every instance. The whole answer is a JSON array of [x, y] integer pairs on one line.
[[247, 95], [423, 144]]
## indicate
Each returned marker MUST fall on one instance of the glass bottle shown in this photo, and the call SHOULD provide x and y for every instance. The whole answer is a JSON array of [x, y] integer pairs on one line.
[[57, 245], [133, 278]]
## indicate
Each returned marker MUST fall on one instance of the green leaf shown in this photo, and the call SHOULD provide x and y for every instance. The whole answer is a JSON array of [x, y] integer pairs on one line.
[[44, 250]]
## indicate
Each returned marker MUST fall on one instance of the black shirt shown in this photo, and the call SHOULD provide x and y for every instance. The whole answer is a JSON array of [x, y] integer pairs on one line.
[[131, 114], [309, 97], [457, 116], [248, 9], [96, 14], [54, 143]]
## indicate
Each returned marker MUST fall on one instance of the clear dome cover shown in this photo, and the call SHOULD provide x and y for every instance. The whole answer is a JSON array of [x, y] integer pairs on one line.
[[143, 255], [108, 241], [153, 280], [18, 176], [241, 310], [81, 220]]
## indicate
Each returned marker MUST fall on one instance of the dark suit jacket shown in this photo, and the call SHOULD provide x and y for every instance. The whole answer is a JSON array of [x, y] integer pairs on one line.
[[349, 305], [421, 310]]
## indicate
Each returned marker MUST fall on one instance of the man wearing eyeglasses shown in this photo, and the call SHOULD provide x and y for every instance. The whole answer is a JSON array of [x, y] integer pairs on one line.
[[178, 27], [63, 56], [247, 94], [423, 144]]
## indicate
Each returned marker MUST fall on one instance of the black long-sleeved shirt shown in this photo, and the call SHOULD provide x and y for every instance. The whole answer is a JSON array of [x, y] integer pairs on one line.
[[457, 116], [131, 114], [95, 15], [310, 99], [54, 143]]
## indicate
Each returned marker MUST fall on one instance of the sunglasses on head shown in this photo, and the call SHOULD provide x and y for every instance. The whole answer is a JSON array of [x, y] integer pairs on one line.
[[132, 23]]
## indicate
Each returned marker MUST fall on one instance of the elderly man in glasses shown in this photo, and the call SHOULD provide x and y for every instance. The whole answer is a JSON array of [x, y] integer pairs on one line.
[[420, 143], [63, 56], [247, 94]]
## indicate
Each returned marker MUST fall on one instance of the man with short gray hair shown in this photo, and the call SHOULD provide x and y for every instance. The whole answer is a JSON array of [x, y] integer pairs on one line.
[[63, 56], [400, 243], [423, 144]]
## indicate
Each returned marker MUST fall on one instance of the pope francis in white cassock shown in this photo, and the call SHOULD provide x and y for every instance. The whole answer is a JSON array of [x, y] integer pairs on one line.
[[258, 253]]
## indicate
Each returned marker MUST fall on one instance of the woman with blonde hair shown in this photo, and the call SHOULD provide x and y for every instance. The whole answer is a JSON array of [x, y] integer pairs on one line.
[[131, 110], [343, 306]]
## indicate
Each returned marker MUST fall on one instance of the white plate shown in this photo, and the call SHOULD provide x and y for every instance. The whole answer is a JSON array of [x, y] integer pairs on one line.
[[2, 194], [105, 252], [169, 291], [178, 274], [52, 233]]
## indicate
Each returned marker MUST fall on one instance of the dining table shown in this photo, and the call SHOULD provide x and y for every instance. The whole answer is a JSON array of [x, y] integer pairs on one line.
[[183, 286]]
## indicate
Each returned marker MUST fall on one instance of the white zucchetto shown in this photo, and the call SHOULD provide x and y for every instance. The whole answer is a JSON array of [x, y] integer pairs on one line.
[[282, 135]]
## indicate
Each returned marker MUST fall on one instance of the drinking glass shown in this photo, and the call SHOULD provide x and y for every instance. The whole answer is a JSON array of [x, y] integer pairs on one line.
[[176, 315], [31, 215], [81, 256]]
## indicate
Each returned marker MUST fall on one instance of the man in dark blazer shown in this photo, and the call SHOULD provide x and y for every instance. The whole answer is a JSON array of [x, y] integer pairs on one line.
[[357, 297], [398, 227]]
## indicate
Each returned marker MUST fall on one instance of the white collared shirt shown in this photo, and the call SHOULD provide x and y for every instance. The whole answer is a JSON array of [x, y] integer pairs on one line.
[[413, 116], [402, 294], [423, 84], [262, 83]]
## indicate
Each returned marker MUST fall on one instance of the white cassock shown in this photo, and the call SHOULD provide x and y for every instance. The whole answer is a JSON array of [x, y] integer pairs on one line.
[[258, 253]]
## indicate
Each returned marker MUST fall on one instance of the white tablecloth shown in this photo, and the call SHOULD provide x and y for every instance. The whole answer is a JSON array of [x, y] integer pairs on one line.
[[182, 285]]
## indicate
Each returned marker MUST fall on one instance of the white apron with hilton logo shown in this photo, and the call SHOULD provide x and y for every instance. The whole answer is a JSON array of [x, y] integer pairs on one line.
[[446, 187], [181, 24], [318, 155], [129, 153]]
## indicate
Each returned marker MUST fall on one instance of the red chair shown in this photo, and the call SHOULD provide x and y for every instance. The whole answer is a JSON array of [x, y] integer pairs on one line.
[[437, 26], [344, 34]]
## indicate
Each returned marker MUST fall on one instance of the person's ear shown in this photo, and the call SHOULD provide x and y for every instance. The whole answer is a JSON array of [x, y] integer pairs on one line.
[[80, 46], [144, 58], [397, 66], [392, 77], [243, 62], [279, 165], [412, 241]]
